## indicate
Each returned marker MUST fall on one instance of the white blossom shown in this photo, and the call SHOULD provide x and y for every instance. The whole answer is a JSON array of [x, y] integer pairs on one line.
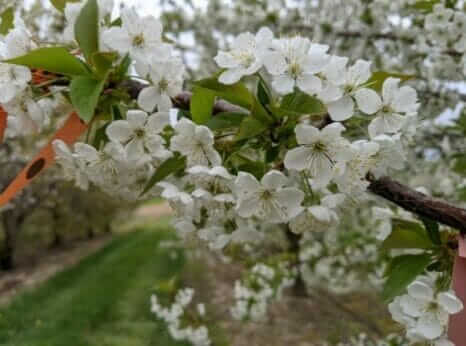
[[268, 199], [166, 78], [196, 143], [140, 134], [294, 63], [245, 57], [388, 110], [318, 152]]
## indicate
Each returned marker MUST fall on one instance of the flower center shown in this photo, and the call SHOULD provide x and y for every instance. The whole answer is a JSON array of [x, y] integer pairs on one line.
[[349, 89], [139, 133], [295, 70], [319, 146], [266, 195], [163, 85], [386, 109], [138, 41]]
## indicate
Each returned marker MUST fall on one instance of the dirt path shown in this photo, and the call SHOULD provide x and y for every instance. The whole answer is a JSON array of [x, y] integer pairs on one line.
[[11, 283], [55, 261]]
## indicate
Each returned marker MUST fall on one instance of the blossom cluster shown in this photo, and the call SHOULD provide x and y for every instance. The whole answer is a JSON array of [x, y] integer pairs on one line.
[[342, 262], [27, 113], [295, 176], [263, 284], [177, 319], [424, 311]]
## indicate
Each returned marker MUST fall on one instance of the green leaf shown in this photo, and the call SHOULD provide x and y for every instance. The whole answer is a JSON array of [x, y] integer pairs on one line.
[[103, 62], [407, 235], [86, 29], [237, 93], [433, 231], [426, 6], [101, 137], [7, 20], [61, 4], [299, 103], [170, 166], [403, 271], [250, 127], [224, 121], [52, 59], [202, 105], [378, 78], [460, 164], [122, 69], [262, 93], [85, 93], [256, 168]]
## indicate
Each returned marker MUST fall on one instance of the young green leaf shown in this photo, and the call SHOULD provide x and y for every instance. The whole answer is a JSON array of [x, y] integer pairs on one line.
[[170, 166], [237, 93], [403, 271], [85, 93], [378, 78], [7, 20], [250, 127], [101, 137], [460, 164], [224, 121], [61, 4], [433, 231], [262, 93], [299, 103], [103, 62], [407, 235], [122, 69], [52, 59], [86, 29], [425, 6], [202, 105]]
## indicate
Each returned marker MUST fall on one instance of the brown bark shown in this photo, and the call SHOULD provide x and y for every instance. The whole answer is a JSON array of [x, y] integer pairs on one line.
[[419, 203]]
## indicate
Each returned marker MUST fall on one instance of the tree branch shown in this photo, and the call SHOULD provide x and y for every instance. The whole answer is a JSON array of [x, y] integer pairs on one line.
[[391, 190], [419, 203]]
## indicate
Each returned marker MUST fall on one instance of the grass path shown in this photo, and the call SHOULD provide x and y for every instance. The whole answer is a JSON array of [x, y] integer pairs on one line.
[[103, 301]]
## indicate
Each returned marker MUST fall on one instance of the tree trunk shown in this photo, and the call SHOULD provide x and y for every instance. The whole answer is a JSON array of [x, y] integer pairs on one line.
[[7, 251]]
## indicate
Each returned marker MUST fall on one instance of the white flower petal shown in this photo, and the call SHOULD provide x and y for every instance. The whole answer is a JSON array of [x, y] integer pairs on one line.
[[405, 100], [231, 76], [342, 109], [119, 131], [290, 200], [418, 289], [368, 101], [275, 63], [136, 119], [310, 84], [450, 302], [148, 98], [429, 326], [274, 180], [359, 73], [298, 158], [283, 84], [307, 134], [413, 307], [390, 87], [246, 184]]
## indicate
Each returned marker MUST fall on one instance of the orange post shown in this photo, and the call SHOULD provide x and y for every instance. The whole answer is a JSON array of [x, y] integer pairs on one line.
[[69, 133]]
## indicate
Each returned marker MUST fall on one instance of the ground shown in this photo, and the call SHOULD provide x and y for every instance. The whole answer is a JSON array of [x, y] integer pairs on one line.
[[103, 299]]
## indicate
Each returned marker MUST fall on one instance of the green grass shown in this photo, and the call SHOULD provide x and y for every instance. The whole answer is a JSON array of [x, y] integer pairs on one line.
[[103, 301]]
